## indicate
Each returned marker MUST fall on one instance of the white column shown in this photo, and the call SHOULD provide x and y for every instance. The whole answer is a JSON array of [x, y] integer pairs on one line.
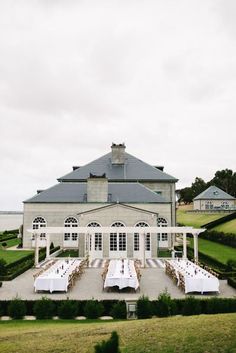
[[184, 246], [36, 253], [47, 246], [195, 242], [91, 257], [144, 249]]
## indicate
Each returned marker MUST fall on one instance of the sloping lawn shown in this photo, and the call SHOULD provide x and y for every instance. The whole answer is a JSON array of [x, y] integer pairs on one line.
[[219, 252], [228, 227], [13, 255], [194, 334], [195, 219]]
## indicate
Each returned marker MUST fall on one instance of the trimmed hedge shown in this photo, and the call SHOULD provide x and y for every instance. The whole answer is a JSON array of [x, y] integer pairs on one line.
[[228, 239], [46, 308], [7, 237], [219, 221], [232, 282]]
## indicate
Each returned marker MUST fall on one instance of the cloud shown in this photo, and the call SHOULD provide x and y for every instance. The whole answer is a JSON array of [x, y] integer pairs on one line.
[[77, 75]]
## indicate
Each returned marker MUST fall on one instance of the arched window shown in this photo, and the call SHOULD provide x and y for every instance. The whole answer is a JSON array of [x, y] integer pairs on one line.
[[71, 222], [162, 222], [118, 240], [39, 222], [147, 238], [98, 237]]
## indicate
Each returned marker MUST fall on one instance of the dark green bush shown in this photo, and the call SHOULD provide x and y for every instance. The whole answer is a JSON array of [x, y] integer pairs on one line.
[[109, 346], [118, 310], [17, 309], [3, 269], [67, 309], [144, 308], [44, 308], [165, 306], [0, 284], [191, 306], [93, 309]]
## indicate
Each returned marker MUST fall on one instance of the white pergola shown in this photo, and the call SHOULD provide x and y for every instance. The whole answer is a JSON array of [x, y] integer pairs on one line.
[[90, 232]]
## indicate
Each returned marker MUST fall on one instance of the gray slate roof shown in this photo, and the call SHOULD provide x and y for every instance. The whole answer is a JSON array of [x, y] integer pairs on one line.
[[134, 169], [214, 193], [74, 192]]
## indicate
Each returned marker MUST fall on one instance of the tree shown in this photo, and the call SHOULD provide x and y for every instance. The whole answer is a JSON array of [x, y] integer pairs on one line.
[[198, 186], [186, 195], [226, 180]]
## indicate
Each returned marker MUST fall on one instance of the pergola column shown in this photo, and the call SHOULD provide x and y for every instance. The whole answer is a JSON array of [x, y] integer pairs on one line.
[[36, 251], [143, 248], [195, 243], [47, 246], [184, 245]]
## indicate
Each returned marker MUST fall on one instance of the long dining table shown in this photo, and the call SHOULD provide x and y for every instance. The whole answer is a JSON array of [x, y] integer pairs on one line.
[[196, 278], [56, 278], [121, 273]]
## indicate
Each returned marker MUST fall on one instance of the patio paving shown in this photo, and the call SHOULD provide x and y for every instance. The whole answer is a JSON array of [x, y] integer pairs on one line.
[[153, 282]]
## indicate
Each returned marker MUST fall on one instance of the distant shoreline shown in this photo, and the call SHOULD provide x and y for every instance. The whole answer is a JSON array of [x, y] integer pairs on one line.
[[11, 212]]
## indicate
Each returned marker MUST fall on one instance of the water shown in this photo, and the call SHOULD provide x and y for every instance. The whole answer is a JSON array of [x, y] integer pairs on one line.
[[10, 221]]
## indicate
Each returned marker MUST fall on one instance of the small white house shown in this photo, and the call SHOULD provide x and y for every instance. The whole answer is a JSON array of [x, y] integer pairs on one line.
[[213, 198]]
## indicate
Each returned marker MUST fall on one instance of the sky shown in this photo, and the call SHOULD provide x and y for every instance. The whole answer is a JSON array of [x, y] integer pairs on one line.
[[76, 76]]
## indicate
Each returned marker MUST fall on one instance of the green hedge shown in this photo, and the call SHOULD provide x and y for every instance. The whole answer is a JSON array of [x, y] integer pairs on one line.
[[218, 221], [232, 281], [7, 237], [228, 239], [164, 306]]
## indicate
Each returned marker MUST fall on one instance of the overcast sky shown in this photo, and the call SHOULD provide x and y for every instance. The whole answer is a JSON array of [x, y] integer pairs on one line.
[[76, 76]]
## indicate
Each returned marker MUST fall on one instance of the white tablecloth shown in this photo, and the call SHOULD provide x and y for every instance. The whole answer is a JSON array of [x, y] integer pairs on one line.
[[196, 278], [121, 273], [56, 277]]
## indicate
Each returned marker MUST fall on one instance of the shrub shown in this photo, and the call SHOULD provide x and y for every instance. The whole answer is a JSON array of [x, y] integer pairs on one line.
[[0, 284], [165, 305], [109, 346], [44, 308], [51, 246], [17, 309], [144, 310], [67, 309], [191, 306], [93, 309], [231, 265], [3, 269], [118, 310]]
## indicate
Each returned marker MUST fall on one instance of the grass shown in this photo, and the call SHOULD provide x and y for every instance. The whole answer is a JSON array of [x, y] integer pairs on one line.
[[228, 227], [194, 219], [11, 242], [196, 334], [218, 251], [12, 255], [67, 253]]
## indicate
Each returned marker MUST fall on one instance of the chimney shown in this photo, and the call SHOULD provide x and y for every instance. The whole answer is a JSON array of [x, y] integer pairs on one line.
[[118, 153], [97, 188]]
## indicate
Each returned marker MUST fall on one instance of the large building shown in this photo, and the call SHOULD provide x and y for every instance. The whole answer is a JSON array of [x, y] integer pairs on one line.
[[213, 198], [115, 190]]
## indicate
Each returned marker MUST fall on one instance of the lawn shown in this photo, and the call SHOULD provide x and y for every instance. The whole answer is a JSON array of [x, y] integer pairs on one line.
[[194, 219], [195, 334], [13, 255], [228, 227], [67, 253], [218, 251]]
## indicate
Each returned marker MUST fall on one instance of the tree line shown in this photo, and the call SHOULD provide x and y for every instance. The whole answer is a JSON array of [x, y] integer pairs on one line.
[[224, 179]]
